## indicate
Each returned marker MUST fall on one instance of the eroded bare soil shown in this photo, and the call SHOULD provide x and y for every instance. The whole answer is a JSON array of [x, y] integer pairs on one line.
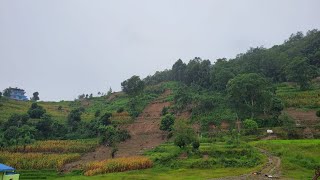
[[144, 131]]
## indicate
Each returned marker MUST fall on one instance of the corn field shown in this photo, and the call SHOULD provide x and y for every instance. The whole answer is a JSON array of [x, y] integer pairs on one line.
[[117, 165], [123, 117], [296, 98], [30, 161], [57, 146]]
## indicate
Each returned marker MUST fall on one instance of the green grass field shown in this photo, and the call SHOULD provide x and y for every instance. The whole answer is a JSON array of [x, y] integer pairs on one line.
[[161, 173], [298, 157]]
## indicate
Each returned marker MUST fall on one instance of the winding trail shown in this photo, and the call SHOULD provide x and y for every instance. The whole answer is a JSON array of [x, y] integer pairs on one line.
[[271, 170], [144, 131]]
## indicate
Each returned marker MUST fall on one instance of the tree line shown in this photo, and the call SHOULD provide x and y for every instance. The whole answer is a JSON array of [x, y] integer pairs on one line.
[[297, 60]]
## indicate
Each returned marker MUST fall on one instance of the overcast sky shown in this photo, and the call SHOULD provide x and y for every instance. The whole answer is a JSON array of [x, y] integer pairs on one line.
[[62, 48]]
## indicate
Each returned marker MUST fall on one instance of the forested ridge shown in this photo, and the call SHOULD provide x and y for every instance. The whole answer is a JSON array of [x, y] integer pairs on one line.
[[275, 63]]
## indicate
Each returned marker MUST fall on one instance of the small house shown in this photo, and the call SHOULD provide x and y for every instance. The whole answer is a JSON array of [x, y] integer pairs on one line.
[[18, 94], [8, 173]]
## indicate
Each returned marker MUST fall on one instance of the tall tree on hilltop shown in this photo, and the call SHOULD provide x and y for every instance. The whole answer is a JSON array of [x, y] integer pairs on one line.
[[35, 96], [133, 86], [7, 92], [179, 70]]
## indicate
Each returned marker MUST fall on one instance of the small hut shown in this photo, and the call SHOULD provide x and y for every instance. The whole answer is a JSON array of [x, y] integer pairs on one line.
[[8, 173]]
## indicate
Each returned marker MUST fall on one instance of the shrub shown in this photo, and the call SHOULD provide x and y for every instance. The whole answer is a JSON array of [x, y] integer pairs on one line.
[[251, 126], [36, 111], [318, 113], [120, 110], [105, 119], [164, 111], [184, 134], [167, 122], [123, 135], [196, 145], [97, 113], [209, 163]]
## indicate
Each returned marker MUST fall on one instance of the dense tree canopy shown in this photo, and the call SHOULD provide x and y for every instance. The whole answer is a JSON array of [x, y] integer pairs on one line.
[[272, 63], [301, 72], [249, 94], [7, 92], [132, 86]]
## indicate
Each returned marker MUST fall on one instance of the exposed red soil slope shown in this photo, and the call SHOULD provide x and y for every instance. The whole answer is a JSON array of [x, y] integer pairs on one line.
[[144, 131], [304, 118]]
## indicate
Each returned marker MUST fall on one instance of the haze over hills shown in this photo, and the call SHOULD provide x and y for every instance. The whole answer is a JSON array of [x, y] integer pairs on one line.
[[142, 89]]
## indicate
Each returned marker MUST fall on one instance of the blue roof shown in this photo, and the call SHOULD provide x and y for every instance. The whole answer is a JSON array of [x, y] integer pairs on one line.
[[4, 168]]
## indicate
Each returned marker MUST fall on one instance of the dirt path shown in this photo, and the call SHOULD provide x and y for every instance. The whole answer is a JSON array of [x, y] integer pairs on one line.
[[271, 170], [144, 131]]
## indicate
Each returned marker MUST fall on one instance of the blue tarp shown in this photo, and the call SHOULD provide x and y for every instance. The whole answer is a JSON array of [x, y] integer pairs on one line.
[[4, 168]]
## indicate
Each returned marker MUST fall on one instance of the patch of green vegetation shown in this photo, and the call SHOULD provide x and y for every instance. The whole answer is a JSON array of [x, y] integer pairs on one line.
[[210, 155], [298, 157], [10, 107], [163, 173]]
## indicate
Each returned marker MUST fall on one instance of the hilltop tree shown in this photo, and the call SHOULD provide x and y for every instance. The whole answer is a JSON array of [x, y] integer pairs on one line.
[[249, 94], [7, 92], [109, 92], [179, 70], [35, 96], [301, 72], [198, 72], [133, 86], [81, 96], [0, 95]]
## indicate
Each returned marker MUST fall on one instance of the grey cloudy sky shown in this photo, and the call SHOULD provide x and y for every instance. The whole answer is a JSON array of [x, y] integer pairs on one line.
[[63, 48]]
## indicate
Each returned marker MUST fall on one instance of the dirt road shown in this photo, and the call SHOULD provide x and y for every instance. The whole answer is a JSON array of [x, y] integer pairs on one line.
[[271, 170]]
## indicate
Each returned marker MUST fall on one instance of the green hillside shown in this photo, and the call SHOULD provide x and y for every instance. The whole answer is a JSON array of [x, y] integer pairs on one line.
[[198, 119]]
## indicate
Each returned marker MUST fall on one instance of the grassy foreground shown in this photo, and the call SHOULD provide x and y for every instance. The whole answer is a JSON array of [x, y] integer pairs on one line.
[[298, 157], [162, 173]]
